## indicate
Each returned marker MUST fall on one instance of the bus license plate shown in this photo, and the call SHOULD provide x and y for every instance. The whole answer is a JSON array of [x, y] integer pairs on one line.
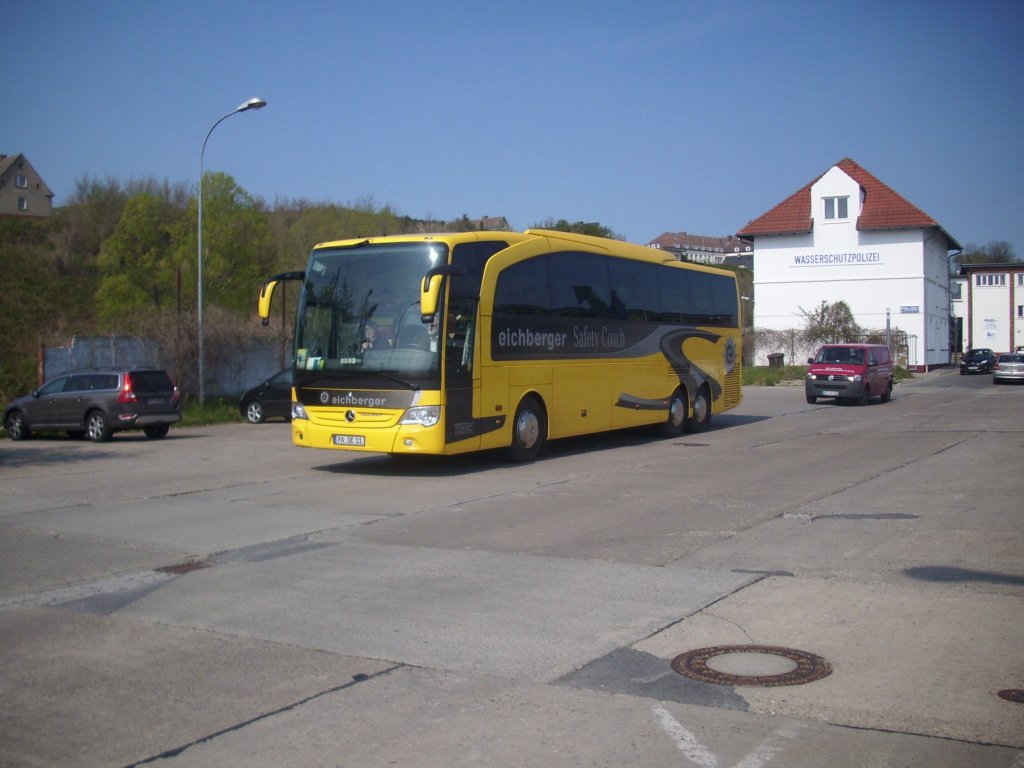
[[830, 393], [349, 440]]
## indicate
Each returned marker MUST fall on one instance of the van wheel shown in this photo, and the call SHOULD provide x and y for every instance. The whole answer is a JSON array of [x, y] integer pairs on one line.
[[675, 423], [701, 411], [97, 428], [887, 395], [864, 395], [529, 431], [812, 399]]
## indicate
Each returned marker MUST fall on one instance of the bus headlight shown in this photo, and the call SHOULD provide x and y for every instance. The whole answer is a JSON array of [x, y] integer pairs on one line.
[[298, 411], [424, 415]]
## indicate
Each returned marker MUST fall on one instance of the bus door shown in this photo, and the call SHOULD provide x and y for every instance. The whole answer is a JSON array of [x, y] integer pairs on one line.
[[459, 332], [462, 428]]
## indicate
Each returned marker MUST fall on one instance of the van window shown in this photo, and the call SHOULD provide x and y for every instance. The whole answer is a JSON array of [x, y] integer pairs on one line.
[[841, 355]]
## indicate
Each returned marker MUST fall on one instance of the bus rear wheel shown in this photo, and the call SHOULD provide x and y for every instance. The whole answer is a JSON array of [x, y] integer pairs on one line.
[[675, 422], [529, 431], [701, 411]]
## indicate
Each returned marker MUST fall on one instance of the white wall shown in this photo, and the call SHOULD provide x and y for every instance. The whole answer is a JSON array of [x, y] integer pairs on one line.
[[990, 319]]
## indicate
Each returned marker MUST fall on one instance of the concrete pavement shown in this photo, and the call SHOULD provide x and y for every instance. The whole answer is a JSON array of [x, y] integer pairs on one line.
[[360, 611]]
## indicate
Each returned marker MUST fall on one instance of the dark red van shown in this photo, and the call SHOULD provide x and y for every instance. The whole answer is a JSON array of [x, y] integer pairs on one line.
[[853, 372]]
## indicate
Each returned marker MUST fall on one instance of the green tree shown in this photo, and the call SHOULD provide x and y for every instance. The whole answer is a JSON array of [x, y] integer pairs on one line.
[[996, 252], [830, 324], [28, 304], [238, 252], [592, 228], [138, 262], [87, 219], [463, 224], [296, 226]]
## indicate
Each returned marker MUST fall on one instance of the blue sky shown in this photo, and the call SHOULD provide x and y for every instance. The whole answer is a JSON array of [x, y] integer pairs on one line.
[[644, 116]]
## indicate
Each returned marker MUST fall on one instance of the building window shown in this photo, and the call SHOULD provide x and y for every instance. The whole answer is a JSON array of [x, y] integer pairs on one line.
[[21, 181], [955, 291], [1020, 310], [836, 208], [1020, 278], [22, 203], [989, 280]]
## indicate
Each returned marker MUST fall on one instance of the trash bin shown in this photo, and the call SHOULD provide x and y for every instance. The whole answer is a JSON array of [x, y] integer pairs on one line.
[[776, 360]]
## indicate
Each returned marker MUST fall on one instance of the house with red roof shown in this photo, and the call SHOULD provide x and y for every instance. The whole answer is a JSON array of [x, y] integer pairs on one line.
[[846, 236]]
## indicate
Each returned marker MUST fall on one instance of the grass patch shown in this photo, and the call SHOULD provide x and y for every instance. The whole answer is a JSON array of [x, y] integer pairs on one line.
[[217, 410], [763, 376]]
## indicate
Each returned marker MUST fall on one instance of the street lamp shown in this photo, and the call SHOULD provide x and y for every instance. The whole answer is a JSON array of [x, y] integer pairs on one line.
[[254, 103]]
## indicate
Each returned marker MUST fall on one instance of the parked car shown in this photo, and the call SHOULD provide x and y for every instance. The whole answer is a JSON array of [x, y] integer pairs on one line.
[[269, 400], [853, 372], [977, 361], [96, 404], [1008, 367]]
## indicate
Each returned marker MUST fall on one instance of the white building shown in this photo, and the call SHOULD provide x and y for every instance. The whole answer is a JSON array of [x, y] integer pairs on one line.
[[988, 307], [848, 237], [702, 249]]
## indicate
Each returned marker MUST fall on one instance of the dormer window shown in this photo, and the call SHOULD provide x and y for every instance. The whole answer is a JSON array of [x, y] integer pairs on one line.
[[836, 208]]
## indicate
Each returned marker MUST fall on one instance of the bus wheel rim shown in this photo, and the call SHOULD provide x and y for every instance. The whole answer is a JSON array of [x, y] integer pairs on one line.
[[677, 411], [700, 408], [528, 428]]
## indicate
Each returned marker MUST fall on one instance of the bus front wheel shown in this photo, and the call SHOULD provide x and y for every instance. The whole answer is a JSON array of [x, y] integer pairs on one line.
[[529, 431]]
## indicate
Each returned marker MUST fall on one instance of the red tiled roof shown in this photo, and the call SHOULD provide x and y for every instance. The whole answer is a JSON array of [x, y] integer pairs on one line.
[[883, 209], [792, 215]]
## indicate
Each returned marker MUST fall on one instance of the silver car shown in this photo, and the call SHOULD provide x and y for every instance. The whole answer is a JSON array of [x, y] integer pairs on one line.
[[1008, 367]]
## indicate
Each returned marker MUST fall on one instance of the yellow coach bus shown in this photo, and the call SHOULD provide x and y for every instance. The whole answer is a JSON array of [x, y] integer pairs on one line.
[[449, 343]]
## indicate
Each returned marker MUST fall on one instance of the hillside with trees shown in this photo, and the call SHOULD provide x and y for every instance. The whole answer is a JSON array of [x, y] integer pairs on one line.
[[121, 259], [995, 252]]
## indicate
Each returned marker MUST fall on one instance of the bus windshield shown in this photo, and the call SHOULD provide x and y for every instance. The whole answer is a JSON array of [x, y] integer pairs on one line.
[[359, 312]]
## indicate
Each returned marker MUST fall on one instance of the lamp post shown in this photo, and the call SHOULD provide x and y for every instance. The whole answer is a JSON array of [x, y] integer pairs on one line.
[[254, 103]]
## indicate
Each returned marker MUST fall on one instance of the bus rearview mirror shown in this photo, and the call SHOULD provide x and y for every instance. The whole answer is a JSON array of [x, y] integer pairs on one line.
[[430, 289]]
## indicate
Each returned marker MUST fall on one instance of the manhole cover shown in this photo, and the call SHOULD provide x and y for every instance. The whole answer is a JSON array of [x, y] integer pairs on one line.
[[799, 666], [1016, 695]]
